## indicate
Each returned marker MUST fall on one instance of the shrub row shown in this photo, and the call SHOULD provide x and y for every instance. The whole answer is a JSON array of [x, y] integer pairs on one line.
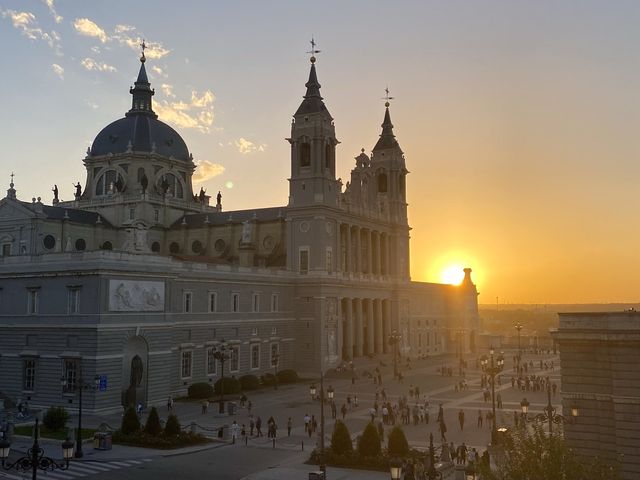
[[233, 385]]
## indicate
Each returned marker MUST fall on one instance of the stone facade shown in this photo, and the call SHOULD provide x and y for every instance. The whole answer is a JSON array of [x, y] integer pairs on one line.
[[139, 280], [600, 354]]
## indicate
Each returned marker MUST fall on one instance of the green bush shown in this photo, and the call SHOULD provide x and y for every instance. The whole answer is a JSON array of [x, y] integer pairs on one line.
[[369, 444], [288, 376], [398, 445], [153, 427], [145, 440], [172, 426], [249, 382], [55, 419], [341, 439], [200, 390], [231, 385], [130, 422], [268, 379]]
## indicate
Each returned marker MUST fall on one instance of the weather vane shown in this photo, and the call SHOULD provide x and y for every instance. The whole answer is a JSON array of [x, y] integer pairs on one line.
[[386, 98], [313, 50], [143, 46]]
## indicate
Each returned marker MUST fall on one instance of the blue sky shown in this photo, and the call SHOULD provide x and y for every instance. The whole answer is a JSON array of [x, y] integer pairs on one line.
[[518, 119]]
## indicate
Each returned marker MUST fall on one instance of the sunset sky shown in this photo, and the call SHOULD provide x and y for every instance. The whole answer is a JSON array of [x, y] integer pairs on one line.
[[519, 119]]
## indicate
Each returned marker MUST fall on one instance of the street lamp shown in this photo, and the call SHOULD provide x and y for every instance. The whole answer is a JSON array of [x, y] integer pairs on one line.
[[460, 340], [275, 358], [80, 386], [492, 369], [518, 328], [330, 393], [394, 340], [549, 412], [395, 469], [35, 460], [312, 391], [432, 473], [222, 356]]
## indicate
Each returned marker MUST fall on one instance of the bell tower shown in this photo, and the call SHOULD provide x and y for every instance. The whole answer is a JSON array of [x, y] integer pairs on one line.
[[313, 144]]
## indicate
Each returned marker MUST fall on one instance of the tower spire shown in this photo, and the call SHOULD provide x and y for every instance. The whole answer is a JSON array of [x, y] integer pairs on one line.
[[142, 92], [312, 102], [387, 138]]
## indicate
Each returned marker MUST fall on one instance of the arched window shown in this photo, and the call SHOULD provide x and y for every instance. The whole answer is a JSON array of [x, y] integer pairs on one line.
[[382, 183], [140, 174], [109, 183], [328, 155], [305, 155], [171, 185]]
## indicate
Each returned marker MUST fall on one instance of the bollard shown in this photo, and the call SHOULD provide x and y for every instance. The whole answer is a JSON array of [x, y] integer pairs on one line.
[[274, 443], [246, 440], [302, 445]]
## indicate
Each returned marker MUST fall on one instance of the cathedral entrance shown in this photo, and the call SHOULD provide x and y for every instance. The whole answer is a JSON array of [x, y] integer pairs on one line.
[[135, 372]]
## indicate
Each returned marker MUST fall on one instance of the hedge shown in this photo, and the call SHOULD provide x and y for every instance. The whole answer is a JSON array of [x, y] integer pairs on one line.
[[288, 376], [268, 379], [55, 419], [153, 427], [231, 385], [369, 443], [172, 427], [130, 422], [249, 382], [397, 445], [341, 439], [200, 390], [161, 441]]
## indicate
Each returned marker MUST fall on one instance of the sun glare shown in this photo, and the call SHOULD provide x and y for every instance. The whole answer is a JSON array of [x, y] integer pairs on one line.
[[453, 275]]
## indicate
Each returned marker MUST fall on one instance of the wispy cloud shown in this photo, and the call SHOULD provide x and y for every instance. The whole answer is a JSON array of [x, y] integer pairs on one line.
[[90, 104], [245, 146], [91, 64], [52, 10], [167, 90], [27, 23], [206, 170], [197, 113], [88, 28], [58, 70], [159, 71]]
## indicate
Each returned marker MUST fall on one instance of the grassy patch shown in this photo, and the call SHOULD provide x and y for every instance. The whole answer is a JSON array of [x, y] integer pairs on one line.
[[162, 441], [27, 430]]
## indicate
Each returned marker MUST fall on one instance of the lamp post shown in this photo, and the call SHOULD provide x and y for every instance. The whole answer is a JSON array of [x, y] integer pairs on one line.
[[492, 369], [275, 358], [330, 392], [518, 328], [222, 356], [395, 469], [80, 386], [394, 340], [35, 460], [460, 337], [549, 412], [432, 473]]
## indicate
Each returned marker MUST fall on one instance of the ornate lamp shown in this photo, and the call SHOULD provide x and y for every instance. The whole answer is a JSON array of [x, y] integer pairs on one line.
[[524, 405], [330, 392], [312, 390], [395, 468]]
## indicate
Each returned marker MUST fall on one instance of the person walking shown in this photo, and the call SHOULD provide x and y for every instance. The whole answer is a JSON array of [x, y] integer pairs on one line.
[[307, 420], [252, 425], [343, 410], [289, 425], [479, 418], [205, 406], [443, 430], [259, 426], [170, 405], [234, 431], [461, 419]]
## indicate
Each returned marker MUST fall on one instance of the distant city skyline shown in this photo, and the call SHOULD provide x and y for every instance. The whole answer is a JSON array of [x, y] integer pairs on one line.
[[518, 121]]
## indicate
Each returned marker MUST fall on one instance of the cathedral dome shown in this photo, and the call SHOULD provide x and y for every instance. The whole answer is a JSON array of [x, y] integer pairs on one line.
[[140, 133], [140, 130]]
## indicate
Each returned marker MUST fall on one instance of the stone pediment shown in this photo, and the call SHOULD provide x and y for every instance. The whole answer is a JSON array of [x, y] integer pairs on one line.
[[12, 210]]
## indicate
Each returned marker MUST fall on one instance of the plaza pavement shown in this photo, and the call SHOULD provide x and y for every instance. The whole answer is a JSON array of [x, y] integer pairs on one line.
[[294, 401]]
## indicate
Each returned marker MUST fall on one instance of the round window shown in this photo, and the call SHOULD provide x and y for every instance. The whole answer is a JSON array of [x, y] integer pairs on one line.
[[49, 242], [81, 244], [196, 246], [155, 247], [220, 245], [174, 247], [107, 245]]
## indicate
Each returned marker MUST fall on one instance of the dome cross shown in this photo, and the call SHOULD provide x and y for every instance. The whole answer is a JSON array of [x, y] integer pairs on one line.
[[313, 50]]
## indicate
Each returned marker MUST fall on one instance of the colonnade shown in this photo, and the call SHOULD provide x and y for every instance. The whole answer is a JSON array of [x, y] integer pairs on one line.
[[363, 250], [364, 327]]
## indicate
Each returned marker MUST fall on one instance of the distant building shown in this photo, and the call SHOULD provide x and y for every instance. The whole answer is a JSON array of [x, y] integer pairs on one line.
[[140, 279], [600, 359]]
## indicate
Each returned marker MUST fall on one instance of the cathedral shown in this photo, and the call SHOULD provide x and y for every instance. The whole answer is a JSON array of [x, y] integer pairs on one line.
[[139, 280]]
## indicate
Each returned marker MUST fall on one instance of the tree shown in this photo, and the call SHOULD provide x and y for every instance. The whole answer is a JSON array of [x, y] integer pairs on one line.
[[55, 419], [533, 455], [130, 422], [172, 427], [153, 427], [341, 439], [397, 445], [369, 444]]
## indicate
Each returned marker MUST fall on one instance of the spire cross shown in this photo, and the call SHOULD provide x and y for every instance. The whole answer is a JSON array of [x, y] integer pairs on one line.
[[313, 50], [387, 97], [12, 177]]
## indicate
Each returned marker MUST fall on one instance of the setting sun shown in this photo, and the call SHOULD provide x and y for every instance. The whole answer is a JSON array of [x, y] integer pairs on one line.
[[452, 274]]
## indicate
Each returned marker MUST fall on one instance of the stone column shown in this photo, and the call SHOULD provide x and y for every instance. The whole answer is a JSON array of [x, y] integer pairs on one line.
[[357, 351], [358, 252], [377, 258], [386, 323], [378, 323], [370, 326], [369, 252], [347, 318], [347, 267]]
